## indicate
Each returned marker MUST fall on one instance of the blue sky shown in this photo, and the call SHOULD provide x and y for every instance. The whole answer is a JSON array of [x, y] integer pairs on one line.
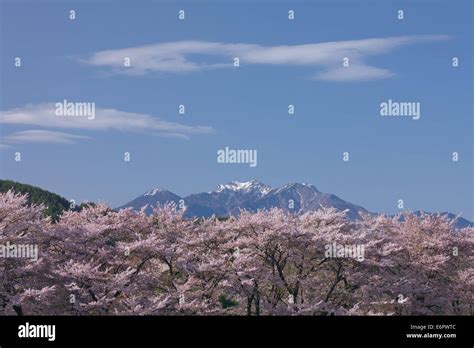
[[282, 62]]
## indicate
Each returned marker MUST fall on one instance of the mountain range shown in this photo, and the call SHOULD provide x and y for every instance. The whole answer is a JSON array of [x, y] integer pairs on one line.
[[229, 199]]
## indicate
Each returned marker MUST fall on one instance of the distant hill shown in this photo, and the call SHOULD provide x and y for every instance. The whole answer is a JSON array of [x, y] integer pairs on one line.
[[460, 222], [151, 199], [55, 204]]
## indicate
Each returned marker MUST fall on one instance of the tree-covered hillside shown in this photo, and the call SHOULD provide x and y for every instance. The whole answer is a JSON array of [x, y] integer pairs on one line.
[[54, 203]]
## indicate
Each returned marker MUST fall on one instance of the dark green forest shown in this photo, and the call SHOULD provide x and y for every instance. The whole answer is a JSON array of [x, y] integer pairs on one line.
[[55, 204]]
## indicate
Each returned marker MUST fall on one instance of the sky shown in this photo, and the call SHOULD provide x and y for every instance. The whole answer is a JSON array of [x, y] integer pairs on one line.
[[282, 62]]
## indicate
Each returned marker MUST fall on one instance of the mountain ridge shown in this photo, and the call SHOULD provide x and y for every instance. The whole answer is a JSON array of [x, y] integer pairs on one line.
[[230, 198]]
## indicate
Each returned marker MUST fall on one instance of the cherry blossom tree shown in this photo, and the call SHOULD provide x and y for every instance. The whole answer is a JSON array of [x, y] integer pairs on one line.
[[26, 282], [97, 261]]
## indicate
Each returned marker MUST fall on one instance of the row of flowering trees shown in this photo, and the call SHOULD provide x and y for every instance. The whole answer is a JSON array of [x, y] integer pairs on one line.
[[102, 262]]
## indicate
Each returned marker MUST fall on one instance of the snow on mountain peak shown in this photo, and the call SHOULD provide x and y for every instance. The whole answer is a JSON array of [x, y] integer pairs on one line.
[[247, 186], [296, 185], [153, 191]]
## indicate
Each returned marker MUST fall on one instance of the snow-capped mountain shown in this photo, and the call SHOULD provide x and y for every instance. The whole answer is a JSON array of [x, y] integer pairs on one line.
[[227, 199], [253, 186], [231, 198]]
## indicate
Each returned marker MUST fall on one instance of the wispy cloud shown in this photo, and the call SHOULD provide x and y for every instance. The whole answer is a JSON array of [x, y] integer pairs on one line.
[[181, 57], [44, 115], [43, 136], [173, 136]]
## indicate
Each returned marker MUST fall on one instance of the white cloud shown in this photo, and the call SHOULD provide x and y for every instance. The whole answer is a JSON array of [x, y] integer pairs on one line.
[[44, 115], [165, 57], [43, 136], [354, 73], [180, 57]]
